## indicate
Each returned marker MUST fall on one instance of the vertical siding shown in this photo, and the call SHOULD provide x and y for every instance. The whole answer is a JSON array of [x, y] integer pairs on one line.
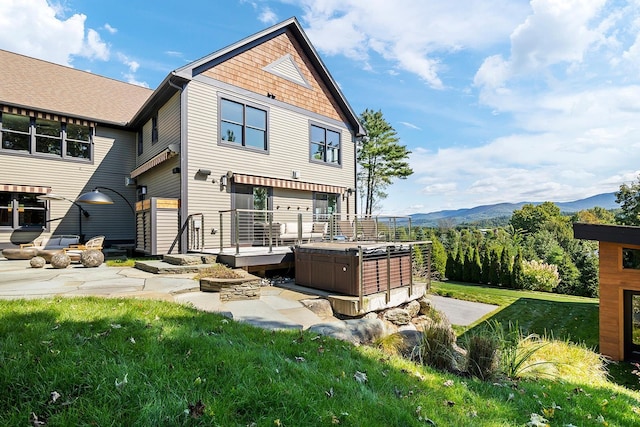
[[112, 161], [166, 229], [614, 280]]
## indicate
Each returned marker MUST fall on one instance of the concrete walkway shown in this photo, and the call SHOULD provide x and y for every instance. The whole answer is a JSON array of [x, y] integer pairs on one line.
[[277, 307]]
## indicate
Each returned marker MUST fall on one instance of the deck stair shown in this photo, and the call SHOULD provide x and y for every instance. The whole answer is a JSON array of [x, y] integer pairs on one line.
[[177, 264]]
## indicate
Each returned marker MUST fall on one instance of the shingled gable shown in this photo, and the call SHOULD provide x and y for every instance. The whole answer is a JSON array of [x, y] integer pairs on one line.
[[292, 28], [36, 85]]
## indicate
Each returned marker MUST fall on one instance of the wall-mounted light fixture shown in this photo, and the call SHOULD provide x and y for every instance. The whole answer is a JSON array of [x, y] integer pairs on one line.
[[348, 192], [206, 172], [175, 170], [224, 180], [142, 189]]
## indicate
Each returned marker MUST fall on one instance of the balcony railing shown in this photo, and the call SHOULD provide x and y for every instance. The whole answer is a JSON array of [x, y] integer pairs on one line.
[[267, 228]]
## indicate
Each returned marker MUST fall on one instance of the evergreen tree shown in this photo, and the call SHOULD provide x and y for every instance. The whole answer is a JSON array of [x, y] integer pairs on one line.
[[516, 272], [505, 268], [467, 269], [477, 267], [439, 257], [450, 268], [486, 266], [494, 269]]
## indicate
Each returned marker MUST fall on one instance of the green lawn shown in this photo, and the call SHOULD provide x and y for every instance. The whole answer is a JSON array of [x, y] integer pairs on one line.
[[91, 361], [563, 317]]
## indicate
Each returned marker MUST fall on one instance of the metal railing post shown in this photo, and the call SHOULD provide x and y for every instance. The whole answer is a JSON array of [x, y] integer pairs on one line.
[[270, 225], [410, 270], [221, 232], [361, 280], [388, 294], [299, 228], [237, 230]]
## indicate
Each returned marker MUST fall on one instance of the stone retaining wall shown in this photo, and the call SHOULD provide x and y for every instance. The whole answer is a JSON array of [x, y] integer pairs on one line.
[[245, 288]]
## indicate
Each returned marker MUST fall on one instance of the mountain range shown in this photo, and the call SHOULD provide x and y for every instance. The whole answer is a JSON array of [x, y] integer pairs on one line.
[[503, 211]]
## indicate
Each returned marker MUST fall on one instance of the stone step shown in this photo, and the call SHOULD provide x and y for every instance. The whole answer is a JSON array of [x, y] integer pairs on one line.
[[189, 259], [162, 267]]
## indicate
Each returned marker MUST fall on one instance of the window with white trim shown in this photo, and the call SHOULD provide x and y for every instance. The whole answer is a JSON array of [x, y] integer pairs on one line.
[[243, 125], [325, 145], [37, 136]]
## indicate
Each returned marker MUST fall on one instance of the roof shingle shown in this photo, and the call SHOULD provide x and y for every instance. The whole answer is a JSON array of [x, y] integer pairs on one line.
[[40, 85]]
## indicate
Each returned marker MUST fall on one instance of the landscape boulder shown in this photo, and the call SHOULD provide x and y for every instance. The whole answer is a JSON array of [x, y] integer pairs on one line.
[[60, 260], [92, 258], [37, 262], [397, 316], [355, 331]]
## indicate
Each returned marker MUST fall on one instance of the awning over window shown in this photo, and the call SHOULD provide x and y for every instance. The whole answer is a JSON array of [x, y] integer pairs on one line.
[[24, 189], [287, 183], [155, 161]]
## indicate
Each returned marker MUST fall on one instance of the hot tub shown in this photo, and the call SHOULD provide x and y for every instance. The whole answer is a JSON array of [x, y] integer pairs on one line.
[[335, 267]]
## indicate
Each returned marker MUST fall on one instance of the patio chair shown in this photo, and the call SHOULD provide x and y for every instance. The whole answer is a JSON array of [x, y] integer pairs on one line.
[[368, 230], [74, 251], [345, 228]]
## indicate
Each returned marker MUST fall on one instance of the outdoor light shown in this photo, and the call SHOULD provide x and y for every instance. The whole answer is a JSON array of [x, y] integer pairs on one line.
[[95, 197], [204, 172], [223, 180], [81, 210]]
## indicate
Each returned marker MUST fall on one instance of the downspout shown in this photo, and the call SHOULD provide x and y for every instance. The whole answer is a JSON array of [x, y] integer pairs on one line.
[[183, 212]]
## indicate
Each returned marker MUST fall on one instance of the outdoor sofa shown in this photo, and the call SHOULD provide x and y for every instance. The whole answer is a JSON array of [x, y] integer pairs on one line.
[[44, 246]]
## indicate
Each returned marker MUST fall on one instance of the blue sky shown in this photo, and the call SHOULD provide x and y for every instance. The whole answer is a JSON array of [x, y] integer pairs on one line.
[[498, 100]]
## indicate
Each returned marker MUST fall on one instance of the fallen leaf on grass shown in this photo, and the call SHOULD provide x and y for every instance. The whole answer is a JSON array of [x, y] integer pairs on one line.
[[300, 359], [448, 383], [35, 421], [537, 420], [329, 393], [361, 377], [54, 396], [120, 384], [132, 340]]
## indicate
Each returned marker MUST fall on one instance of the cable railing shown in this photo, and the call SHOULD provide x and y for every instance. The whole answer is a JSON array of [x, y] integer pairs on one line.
[[276, 228]]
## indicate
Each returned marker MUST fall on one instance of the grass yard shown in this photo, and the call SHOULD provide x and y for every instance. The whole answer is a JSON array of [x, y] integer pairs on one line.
[[92, 361], [563, 317]]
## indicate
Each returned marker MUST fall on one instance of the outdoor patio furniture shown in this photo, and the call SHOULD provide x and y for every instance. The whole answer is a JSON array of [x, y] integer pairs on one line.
[[75, 250], [368, 230], [44, 246]]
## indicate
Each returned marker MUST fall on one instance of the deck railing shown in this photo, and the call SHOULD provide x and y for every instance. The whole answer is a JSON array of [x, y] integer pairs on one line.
[[273, 228]]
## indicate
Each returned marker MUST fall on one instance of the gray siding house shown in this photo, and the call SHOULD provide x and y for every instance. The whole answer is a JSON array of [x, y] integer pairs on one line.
[[256, 133]]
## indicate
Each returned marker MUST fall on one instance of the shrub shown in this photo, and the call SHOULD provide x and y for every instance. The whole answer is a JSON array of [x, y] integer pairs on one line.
[[516, 351], [539, 276], [482, 351], [436, 349]]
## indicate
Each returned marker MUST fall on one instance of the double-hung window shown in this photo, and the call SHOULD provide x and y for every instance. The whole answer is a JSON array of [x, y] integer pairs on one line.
[[243, 125], [38, 136], [325, 145]]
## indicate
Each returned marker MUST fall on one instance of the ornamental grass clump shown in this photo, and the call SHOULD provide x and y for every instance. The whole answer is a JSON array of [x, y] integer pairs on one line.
[[482, 353], [436, 349]]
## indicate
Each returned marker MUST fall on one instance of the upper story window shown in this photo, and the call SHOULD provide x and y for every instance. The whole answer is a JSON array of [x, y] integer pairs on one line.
[[140, 143], [243, 125], [631, 258], [19, 210], [325, 145], [40, 136], [154, 129]]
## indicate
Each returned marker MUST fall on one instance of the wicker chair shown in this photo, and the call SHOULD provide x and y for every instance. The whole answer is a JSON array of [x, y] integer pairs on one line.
[[74, 251]]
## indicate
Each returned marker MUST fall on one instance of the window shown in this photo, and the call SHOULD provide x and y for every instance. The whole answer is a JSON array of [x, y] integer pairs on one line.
[[243, 125], [15, 132], [154, 129], [140, 143], [19, 210], [49, 137], [325, 145], [324, 205], [78, 141], [631, 258]]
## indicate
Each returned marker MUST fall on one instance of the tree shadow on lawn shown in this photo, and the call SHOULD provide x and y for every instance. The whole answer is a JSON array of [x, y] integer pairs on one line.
[[567, 321]]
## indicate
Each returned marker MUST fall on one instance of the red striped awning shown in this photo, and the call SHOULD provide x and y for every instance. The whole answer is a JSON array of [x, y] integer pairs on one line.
[[155, 161], [287, 183], [24, 189], [47, 116]]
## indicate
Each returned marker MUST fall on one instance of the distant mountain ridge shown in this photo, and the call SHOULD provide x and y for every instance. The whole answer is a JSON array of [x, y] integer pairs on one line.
[[502, 210]]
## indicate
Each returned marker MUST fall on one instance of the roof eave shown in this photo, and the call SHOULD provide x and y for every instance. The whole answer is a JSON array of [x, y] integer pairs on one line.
[[169, 86]]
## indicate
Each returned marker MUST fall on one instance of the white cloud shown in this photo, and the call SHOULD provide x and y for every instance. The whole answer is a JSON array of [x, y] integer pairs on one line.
[[268, 16], [110, 29], [133, 66], [410, 125], [413, 34], [36, 28]]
